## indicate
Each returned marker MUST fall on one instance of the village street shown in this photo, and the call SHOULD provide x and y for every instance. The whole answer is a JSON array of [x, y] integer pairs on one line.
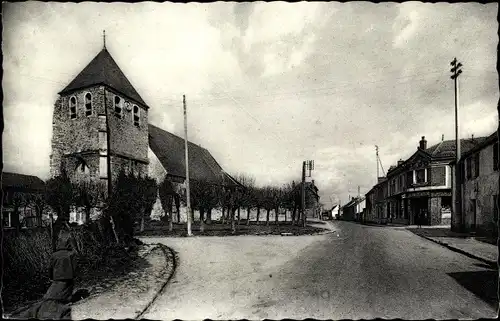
[[356, 272]]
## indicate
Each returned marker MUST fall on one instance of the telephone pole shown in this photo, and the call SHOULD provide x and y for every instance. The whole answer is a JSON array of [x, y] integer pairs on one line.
[[457, 211], [310, 166], [188, 195]]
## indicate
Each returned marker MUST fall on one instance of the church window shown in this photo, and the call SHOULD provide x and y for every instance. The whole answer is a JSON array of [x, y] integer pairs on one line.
[[118, 107], [88, 104], [136, 116], [72, 107]]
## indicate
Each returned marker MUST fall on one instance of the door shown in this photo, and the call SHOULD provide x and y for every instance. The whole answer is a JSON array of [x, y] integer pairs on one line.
[[474, 214]]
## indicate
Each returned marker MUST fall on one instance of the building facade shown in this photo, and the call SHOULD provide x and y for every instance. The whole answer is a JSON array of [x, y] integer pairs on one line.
[[479, 187], [19, 202], [418, 189]]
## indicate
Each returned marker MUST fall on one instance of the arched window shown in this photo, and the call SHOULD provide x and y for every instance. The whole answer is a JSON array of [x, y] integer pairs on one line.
[[88, 104], [72, 107], [136, 116], [118, 107], [82, 171]]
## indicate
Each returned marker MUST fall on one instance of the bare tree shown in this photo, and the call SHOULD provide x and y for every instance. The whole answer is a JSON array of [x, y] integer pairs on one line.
[[247, 197], [168, 194], [87, 195]]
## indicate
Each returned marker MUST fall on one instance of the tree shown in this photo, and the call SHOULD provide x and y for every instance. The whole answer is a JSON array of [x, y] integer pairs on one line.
[[59, 195], [88, 194], [147, 192], [40, 205], [168, 193], [246, 196], [267, 201], [130, 199], [259, 199]]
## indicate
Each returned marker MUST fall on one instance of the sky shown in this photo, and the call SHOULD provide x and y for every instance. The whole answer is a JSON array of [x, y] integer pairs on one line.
[[268, 85]]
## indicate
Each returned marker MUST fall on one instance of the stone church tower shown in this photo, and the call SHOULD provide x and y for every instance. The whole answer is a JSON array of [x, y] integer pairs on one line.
[[99, 114]]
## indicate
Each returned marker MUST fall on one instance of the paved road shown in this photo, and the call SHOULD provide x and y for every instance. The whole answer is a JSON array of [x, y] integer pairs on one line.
[[356, 272]]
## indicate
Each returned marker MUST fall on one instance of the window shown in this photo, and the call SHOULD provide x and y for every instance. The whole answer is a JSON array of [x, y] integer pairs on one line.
[[72, 107], [476, 165], [118, 107], [88, 104], [420, 176], [468, 165], [136, 116], [495, 156]]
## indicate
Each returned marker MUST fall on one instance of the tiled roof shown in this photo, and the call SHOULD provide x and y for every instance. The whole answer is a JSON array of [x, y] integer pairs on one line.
[[104, 70], [169, 149], [484, 142], [23, 182], [447, 148]]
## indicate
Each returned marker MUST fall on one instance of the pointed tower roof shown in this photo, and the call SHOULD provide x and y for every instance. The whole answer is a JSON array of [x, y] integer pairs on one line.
[[103, 70]]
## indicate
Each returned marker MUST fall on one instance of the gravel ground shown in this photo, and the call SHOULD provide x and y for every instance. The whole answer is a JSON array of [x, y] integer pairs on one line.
[[356, 272]]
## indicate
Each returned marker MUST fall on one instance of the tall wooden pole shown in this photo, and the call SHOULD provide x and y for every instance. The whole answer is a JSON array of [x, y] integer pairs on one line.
[[303, 194], [188, 195], [456, 187], [108, 166]]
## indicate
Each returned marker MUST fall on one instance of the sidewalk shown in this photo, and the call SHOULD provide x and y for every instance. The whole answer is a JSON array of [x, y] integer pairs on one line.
[[459, 242], [131, 298]]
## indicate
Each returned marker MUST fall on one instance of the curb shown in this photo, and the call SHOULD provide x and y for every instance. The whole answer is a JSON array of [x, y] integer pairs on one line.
[[454, 249], [171, 256]]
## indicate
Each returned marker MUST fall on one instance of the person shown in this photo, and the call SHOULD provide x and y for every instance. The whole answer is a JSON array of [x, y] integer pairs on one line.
[[55, 302], [419, 219]]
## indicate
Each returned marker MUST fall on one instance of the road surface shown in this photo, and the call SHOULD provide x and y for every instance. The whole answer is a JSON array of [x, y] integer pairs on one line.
[[357, 272]]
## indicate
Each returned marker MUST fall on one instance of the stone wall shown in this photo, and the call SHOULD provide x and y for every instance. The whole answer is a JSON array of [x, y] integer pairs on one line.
[[481, 189], [438, 176], [126, 138]]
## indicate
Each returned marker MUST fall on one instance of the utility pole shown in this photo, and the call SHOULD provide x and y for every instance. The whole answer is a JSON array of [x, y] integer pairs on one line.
[[303, 194], [457, 211], [188, 195], [310, 166]]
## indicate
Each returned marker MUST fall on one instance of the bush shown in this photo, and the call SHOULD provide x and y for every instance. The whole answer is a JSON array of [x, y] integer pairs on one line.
[[25, 267], [27, 256]]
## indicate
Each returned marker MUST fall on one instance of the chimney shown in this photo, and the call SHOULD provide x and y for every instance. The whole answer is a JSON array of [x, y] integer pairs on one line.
[[442, 138], [400, 162], [472, 137], [423, 143], [312, 181]]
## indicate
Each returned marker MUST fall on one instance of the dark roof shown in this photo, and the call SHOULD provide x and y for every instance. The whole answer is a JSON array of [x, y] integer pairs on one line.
[[104, 70], [169, 149], [485, 141], [354, 201], [22, 182], [447, 148]]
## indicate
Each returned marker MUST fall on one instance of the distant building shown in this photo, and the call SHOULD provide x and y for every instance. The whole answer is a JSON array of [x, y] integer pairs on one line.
[[376, 202], [479, 185], [353, 210], [19, 200], [420, 187]]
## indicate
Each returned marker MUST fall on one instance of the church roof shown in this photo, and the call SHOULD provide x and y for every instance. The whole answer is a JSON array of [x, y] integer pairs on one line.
[[169, 149], [104, 70]]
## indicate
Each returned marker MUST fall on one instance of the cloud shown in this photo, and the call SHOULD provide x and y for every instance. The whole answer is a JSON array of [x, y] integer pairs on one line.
[[268, 85]]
